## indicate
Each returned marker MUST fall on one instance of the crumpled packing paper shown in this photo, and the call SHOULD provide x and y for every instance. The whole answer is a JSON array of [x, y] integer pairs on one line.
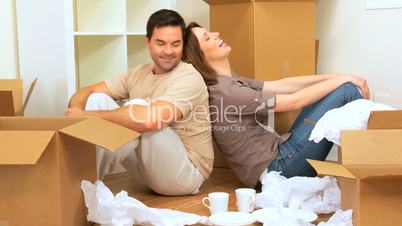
[[320, 195], [351, 116], [284, 216], [121, 210], [288, 222], [340, 218]]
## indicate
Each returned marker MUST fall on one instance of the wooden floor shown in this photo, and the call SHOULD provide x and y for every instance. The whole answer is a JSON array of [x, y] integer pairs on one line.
[[222, 179]]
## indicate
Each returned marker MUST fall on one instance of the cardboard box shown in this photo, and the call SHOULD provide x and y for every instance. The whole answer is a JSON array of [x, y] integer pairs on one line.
[[11, 97], [370, 170], [42, 163]]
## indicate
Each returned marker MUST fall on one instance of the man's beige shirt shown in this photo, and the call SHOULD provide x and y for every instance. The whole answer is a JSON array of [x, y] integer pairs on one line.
[[183, 87]]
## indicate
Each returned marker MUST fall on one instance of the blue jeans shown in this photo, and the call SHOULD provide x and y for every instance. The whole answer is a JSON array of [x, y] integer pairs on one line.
[[292, 154]]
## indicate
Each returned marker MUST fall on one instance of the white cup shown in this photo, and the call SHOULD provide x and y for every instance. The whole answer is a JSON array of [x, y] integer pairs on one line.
[[245, 199], [218, 202]]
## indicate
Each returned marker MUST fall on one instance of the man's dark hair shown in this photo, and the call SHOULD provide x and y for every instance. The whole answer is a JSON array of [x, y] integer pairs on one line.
[[163, 18]]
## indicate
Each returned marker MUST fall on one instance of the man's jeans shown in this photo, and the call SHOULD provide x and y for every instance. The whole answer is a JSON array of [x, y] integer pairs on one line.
[[292, 154]]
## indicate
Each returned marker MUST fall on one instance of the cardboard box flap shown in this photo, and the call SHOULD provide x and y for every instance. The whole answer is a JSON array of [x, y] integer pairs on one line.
[[378, 171], [101, 132], [23, 147], [330, 168], [37, 123], [385, 120], [28, 96], [6, 103], [15, 85], [371, 147]]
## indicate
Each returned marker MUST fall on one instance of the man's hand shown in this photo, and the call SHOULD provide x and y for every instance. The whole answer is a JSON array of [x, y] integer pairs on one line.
[[75, 112]]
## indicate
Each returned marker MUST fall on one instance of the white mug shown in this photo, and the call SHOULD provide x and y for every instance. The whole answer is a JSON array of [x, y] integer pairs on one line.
[[218, 202], [245, 199]]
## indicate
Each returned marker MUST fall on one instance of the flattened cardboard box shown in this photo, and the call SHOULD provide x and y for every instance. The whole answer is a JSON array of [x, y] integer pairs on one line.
[[11, 97], [42, 163], [370, 170]]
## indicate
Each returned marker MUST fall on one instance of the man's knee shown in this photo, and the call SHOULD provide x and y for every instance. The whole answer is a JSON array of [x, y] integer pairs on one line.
[[100, 101], [98, 97]]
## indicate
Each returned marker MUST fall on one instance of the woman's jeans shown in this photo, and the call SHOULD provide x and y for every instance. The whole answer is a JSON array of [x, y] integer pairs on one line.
[[292, 154]]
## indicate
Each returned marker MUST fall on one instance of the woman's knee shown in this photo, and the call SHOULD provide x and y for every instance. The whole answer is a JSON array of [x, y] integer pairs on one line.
[[351, 91]]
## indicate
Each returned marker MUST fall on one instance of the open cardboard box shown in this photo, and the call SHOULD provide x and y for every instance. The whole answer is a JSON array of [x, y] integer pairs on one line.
[[11, 97], [370, 170], [42, 163]]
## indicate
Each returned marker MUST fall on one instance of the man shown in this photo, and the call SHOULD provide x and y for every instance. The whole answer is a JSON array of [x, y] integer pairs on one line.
[[174, 154]]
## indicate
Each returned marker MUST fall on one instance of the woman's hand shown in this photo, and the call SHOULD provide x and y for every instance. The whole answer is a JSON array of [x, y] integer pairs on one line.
[[360, 82]]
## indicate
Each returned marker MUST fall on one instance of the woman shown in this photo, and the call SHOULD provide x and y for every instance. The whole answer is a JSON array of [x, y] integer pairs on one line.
[[240, 106]]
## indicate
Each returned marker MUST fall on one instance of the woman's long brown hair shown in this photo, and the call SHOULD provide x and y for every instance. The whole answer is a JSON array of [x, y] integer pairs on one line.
[[193, 54]]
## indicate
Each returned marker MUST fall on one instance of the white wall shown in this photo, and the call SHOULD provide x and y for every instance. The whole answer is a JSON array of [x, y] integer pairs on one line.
[[42, 53], [364, 42], [8, 40]]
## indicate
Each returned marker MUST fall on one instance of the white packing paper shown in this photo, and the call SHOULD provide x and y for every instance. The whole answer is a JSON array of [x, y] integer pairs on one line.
[[339, 218], [351, 116], [121, 210], [284, 216], [288, 222], [320, 195]]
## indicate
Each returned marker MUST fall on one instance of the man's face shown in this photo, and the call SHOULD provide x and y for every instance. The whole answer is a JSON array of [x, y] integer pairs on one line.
[[166, 48]]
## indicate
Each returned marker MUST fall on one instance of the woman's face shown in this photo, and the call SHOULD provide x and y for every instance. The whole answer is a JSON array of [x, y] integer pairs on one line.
[[211, 44]]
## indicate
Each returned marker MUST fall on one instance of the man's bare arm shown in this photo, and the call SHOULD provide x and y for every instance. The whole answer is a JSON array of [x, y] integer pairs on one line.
[[141, 118], [79, 99]]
